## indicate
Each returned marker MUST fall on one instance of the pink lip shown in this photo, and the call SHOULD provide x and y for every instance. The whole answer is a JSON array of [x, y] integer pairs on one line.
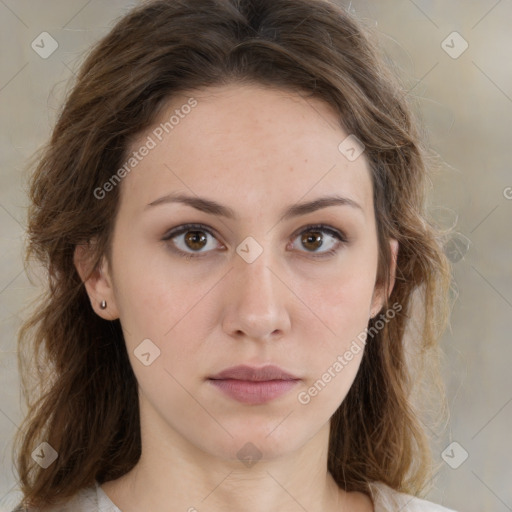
[[245, 372], [251, 385]]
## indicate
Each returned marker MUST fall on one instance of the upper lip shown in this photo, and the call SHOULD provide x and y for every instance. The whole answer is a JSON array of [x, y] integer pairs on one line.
[[251, 373]]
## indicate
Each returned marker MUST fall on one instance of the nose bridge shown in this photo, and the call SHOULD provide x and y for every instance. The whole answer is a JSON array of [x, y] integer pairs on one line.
[[257, 299], [257, 279]]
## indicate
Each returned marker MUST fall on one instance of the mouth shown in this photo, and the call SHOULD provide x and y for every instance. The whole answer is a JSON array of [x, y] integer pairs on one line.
[[252, 385]]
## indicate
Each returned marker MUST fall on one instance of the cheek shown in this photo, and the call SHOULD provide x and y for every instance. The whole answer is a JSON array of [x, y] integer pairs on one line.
[[156, 303], [343, 297], [336, 345], [149, 292], [334, 357]]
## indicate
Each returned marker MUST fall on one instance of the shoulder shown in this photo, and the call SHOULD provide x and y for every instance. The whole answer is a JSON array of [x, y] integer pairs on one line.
[[386, 499], [86, 500]]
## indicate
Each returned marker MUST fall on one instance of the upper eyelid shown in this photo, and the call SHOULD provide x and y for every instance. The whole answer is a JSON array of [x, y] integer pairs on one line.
[[183, 228]]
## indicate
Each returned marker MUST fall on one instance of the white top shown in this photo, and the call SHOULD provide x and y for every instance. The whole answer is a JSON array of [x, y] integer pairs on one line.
[[385, 499]]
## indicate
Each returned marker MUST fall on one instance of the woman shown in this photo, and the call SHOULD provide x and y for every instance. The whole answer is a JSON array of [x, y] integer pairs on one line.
[[231, 212]]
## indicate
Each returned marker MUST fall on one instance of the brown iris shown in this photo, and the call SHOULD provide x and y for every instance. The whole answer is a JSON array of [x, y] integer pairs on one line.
[[195, 237], [314, 237]]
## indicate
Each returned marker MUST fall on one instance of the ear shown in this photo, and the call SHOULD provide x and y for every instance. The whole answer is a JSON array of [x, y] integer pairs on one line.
[[97, 282], [378, 299]]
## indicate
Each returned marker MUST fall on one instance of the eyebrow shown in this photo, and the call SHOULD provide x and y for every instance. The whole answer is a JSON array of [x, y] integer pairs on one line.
[[212, 207]]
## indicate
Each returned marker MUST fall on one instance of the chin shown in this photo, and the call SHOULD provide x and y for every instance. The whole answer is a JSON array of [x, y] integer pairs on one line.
[[249, 445]]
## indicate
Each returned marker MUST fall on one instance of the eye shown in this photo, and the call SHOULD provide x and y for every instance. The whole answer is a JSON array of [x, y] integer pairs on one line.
[[195, 239], [191, 240], [312, 238]]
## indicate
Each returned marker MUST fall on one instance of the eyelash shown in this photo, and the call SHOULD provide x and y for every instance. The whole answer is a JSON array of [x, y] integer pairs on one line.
[[201, 227]]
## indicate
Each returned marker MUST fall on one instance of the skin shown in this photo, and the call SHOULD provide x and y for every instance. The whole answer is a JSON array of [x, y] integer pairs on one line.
[[256, 150]]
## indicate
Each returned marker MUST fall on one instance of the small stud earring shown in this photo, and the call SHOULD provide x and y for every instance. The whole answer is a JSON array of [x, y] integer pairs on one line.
[[103, 304]]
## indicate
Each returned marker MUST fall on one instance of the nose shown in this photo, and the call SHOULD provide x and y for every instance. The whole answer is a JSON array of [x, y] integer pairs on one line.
[[256, 300]]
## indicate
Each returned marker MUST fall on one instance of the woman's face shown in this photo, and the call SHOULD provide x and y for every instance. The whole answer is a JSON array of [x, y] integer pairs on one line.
[[248, 284]]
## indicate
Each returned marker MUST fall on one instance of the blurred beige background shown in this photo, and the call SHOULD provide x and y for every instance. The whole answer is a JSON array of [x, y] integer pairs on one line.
[[465, 97]]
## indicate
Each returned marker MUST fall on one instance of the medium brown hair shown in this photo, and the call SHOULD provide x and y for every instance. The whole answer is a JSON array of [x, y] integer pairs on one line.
[[77, 377]]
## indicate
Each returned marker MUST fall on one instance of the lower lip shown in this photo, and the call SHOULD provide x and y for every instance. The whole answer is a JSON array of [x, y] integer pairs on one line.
[[250, 392]]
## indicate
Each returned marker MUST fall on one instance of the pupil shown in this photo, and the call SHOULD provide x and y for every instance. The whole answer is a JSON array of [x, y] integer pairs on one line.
[[312, 238], [196, 237]]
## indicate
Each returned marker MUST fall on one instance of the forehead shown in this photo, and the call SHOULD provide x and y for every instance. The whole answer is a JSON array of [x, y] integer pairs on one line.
[[250, 145]]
